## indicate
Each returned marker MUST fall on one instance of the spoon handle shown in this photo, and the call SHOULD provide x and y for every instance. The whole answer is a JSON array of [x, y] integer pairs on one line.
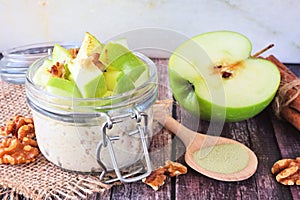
[[185, 134]]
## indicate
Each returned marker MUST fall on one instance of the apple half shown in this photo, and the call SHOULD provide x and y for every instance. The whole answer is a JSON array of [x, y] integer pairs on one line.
[[213, 75]]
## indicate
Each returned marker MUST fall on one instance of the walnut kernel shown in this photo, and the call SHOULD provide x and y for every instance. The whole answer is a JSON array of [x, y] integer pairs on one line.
[[174, 168], [157, 177], [287, 171], [17, 141]]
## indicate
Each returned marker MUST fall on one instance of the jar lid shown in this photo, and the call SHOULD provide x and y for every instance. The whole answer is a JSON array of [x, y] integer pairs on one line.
[[15, 61]]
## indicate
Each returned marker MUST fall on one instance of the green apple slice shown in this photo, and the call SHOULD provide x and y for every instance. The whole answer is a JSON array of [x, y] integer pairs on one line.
[[88, 77], [118, 82], [60, 54], [89, 46], [111, 78], [62, 87], [123, 42], [117, 57], [124, 84], [228, 80], [42, 75]]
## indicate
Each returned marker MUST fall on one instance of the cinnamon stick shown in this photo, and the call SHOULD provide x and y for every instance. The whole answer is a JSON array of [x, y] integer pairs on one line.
[[291, 111], [287, 76]]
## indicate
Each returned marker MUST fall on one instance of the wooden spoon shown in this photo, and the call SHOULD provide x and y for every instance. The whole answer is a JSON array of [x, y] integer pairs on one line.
[[195, 141]]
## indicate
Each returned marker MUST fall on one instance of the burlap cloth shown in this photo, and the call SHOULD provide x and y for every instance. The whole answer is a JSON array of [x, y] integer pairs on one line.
[[40, 179]]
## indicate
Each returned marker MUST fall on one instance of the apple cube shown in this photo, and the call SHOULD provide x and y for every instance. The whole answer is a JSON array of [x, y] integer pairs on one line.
[[117, 57], [118, 82], [89, 46], [88, 78], [42, 75], [62, 87], [60, 54]]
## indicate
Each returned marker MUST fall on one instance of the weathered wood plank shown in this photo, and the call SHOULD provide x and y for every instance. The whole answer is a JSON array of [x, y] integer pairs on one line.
[[264, 144], [288, 138]]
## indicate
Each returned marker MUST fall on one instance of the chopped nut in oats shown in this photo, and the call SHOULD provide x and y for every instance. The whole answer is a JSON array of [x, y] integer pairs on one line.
[[58, 70]]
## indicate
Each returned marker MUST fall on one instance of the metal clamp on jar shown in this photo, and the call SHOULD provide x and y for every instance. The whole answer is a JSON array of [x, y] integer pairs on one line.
[[140, 129], [96, 134]]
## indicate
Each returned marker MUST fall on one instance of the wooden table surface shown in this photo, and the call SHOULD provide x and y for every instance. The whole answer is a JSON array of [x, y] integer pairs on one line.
[[270, 138]]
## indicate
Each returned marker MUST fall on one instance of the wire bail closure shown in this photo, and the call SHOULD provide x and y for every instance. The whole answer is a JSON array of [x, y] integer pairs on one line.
[[107, 142]]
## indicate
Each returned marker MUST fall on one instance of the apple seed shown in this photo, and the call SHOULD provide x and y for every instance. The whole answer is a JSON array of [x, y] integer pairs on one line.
[[226, 74]]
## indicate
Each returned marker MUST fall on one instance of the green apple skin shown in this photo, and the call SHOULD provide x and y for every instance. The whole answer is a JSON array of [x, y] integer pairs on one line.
[[89, 79], [117, 57], [123, 42], [95, 88], [60, 54], [111, 78], [62, 87], [42, 75], [247, 93], [118, 82], [124, 84]]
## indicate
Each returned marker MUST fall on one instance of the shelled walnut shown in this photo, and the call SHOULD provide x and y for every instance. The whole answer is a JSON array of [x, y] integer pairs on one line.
[[288, 171], [17, 141], [157, 177], [174, 168]]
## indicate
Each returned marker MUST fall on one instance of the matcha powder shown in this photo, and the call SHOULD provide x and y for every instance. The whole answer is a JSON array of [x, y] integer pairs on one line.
[[224, 158]]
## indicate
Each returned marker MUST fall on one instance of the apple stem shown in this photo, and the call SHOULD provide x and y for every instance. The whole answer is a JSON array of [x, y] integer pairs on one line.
[[262, 51]]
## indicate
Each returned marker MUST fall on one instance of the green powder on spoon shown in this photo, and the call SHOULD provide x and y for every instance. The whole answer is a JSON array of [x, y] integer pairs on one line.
[[223, 158]]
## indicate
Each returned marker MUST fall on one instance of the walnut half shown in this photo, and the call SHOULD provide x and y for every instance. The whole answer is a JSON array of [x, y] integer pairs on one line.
[[288, 171], [157, 177]]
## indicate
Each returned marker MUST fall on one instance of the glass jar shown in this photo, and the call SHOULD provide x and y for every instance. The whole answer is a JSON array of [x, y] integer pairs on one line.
[[16, 61], [95, 134]]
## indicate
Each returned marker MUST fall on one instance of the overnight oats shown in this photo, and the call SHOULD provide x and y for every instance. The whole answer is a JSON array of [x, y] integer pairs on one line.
[[92, 106]]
